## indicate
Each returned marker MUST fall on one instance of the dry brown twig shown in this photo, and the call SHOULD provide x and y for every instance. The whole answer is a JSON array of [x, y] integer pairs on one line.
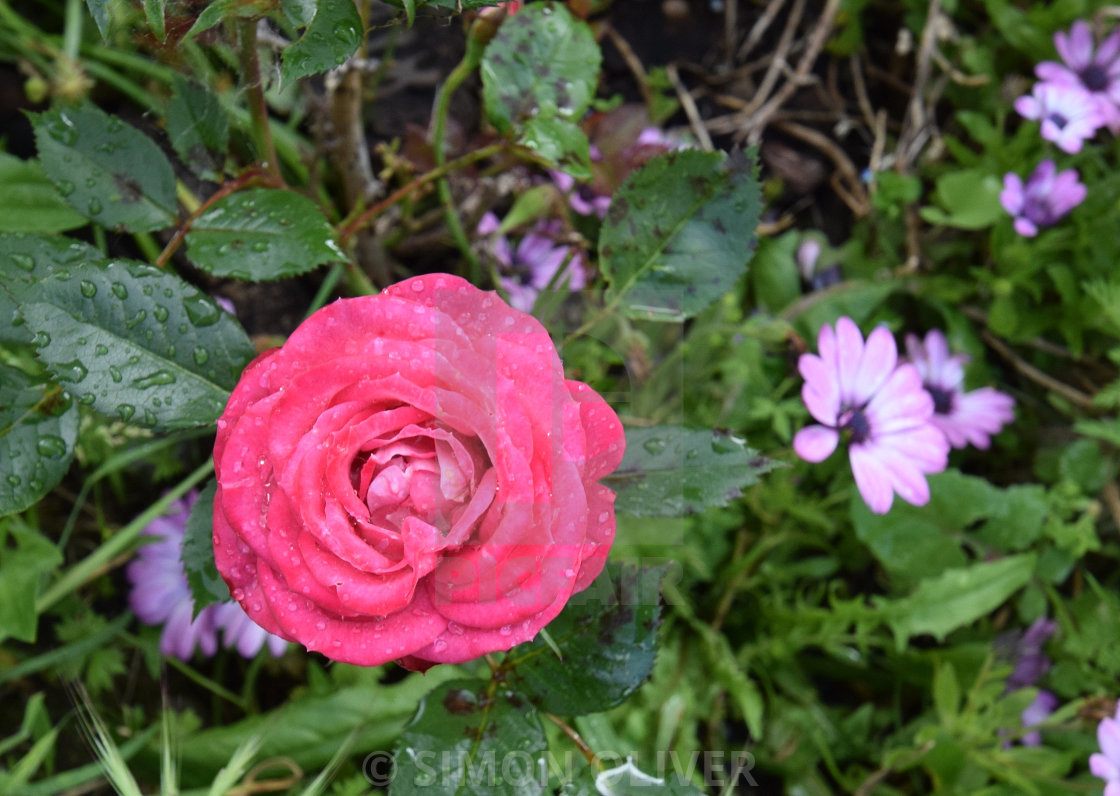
[[846, 181], [757, 121], [690, 110]]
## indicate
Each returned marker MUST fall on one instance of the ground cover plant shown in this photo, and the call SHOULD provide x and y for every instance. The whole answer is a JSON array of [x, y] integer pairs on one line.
[[582, 398]]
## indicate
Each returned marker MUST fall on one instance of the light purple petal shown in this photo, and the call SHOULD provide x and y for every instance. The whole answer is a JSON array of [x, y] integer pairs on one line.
[[872, 479], [849, 352], [1011, 197], [1102, 767], [880, 355], [815, 443]]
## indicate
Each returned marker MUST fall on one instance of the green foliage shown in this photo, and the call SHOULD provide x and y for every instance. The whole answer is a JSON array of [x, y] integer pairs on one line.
[[539, 75], [27, 557], [470, 738], [207, 586], [600, 648], [680, 233], [38, 427], [30, 202], [136, 343], [332, 37], [670, 471], [261, 234], [106, 169]]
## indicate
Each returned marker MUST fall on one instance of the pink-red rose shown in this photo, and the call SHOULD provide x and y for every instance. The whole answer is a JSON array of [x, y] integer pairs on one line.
[[411, 477]]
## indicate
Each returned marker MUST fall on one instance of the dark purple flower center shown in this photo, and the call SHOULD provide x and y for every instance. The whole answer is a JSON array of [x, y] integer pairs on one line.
[[1059, 120], [1094, 77], [942, 399], [855, 422]]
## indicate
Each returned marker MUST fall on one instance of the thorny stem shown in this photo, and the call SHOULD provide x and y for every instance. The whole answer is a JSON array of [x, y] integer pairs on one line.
[[439, 172], [254, 174], [259, 128], [439, 124]]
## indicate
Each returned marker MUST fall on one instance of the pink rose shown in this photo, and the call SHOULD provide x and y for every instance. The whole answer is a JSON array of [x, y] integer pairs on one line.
[[410, 477]]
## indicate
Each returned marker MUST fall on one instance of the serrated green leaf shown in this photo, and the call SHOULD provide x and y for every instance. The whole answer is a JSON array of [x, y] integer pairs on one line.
[[465, 740], [679, 233], [607, 638], [542, 64], [153, 10], [198, 127], [221, 9], [26, 260], [332, 37], [38, 429], [20, 570], [137, 343], [262, 234], [30, 202], [207, 586], [669, 471], [561, 142], [956, 597], [107, 170]]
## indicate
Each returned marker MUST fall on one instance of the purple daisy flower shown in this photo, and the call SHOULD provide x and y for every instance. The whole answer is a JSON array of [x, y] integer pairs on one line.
[[856, 389], [963, 417], [532, 266], [1106, 763], [1096, 69], [161, 596], [1068, 114], [1046, 198]]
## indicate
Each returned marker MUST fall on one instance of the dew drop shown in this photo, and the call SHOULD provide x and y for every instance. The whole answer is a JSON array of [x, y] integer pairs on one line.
[[65, 187], [259, 246], [15, 480], [115, 373], [119, 290], [72, 372], [126, 411], [24, 261], [95, 206], [200, 355], [160, 313], [153, 379], [654, 445], [50, 446], [89, 290], [101, 350]]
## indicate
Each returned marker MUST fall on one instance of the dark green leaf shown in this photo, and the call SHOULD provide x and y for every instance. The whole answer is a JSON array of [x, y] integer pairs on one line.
[[669, 471], [108, 171], [332, 37], [465, 740], [542, 64], [679, 233], [153, 9], [20, 571], [137, 342], [38, 428], [206, 584], [261, 234], [450, 6], [30, 202], [198, 127], [561, 142], [956, 597], [221, 9], [26, 260], [607, 640]]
